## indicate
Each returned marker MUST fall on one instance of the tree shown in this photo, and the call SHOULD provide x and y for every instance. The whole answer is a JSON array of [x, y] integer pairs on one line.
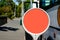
[[19, 7], [7, 8]]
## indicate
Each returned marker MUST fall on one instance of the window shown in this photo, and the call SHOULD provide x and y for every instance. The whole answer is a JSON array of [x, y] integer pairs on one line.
[[43, 2], [47, 2]]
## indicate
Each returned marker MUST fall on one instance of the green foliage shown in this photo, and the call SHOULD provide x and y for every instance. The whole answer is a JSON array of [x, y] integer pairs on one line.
[[29, 0], [10, 15], [26, 6], [7, 8], [18, 11], [18, 14]]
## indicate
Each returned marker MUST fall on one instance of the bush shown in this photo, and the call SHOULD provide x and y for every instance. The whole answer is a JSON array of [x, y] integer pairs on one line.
[[18, 15], [10, 15]]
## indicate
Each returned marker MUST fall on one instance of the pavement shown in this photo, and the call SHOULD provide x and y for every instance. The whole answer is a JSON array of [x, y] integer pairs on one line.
[[12, 31], [50, 32]]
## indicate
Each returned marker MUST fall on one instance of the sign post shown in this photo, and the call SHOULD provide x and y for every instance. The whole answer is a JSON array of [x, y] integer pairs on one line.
[[35, 22]]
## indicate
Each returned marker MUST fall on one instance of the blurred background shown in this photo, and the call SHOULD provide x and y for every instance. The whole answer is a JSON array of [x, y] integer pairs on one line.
[[11, 12]]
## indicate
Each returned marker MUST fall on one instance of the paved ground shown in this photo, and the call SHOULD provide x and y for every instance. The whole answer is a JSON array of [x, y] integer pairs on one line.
[[12, 31], [50, 32]]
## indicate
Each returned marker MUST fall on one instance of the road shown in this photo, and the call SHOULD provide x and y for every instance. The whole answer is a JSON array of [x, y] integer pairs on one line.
[[12, 31]]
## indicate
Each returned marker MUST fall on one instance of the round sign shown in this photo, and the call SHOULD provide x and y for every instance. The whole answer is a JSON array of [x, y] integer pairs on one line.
[[35, 21]]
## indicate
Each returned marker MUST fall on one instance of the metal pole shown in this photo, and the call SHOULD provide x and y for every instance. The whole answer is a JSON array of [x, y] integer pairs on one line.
[[38, 3], [22, 8], [31, 3]]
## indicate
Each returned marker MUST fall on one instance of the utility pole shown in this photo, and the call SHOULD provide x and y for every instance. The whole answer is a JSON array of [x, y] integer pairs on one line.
[[31, 3], [22, 7]]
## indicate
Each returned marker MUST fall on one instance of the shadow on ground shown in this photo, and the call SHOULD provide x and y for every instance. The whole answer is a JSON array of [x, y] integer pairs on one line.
[[4, 28]]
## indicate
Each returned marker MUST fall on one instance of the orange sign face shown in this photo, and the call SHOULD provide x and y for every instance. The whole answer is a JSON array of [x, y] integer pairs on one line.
[[36, 20]]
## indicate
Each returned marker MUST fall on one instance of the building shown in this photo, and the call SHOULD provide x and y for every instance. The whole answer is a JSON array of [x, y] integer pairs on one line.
[[46, 4]]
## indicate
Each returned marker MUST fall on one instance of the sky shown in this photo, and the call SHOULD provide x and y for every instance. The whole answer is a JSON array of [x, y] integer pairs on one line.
[[16, 2]]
